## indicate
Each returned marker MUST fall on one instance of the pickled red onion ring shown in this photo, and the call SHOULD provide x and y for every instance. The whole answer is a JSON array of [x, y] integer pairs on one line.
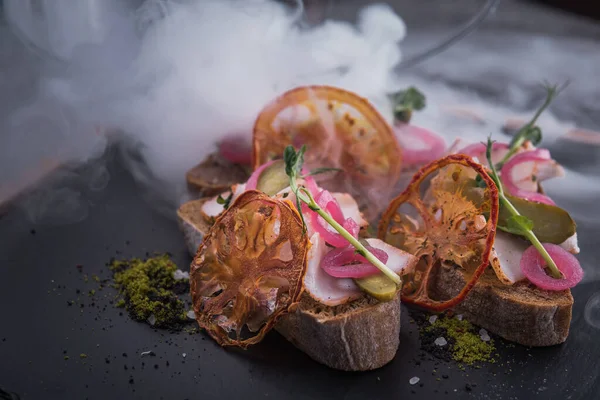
[[253, 180], [532, 265], [236, 149], [310, 183], [434, 146], [538, 155], [329, 204], [346, 263]]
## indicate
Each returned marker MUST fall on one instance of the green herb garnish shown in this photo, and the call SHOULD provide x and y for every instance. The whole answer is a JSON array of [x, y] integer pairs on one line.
[[293, 167], [225, 201], [516, 223], [529, 131], [405, 101]]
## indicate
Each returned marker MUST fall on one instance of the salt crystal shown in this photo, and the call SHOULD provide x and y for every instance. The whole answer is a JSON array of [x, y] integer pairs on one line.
[[191, 314], [184, 355], [152, 319], [180, 275], [147, 353], [414, 380], [441, 341], [459, 317], [483, 334], [432, 319]]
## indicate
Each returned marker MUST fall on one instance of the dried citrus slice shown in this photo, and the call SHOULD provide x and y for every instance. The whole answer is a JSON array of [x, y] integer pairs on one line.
[[249, 269], [444, 216], [341, 130]]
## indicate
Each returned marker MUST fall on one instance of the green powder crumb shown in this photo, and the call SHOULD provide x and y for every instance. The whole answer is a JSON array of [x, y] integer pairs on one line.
[[147, 290], [467, 346], [83, 355], [91, 292], [66, 358], [191, 331]]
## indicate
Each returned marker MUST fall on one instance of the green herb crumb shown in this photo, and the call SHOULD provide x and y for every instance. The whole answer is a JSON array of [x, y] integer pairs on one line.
[[66, 358], [83, 355], [467, 346], [147, 291]]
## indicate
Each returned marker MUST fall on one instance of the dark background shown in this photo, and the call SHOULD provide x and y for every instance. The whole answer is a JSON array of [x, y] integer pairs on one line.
[[582, 7], [47, 313]]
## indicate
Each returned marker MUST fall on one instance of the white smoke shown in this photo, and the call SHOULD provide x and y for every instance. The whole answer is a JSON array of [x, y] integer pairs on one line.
[[176, 84]]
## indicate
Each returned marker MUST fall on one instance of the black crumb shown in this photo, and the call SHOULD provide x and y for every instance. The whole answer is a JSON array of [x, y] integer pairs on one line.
[[181, 287], [79, 267], [33, 232], [468, 387], [124, 354], [131, 381], [155, 366], [428, 337]]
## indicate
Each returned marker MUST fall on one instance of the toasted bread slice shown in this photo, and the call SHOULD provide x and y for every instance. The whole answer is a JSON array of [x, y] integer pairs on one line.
[[215, 175], [521, 313], [358, 336]]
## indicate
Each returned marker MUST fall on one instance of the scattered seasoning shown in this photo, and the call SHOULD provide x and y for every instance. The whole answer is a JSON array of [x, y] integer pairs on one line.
[[464, 342], [414, 380], [460, 340], [483, 334], [83, 355], [149, 291]]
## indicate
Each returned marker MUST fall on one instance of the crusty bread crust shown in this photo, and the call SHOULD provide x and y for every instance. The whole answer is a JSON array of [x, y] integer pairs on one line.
[[358, 336], [193, 224], [520, 313]]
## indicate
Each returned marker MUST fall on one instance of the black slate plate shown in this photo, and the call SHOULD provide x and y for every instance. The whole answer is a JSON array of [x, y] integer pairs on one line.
[[39, 328]]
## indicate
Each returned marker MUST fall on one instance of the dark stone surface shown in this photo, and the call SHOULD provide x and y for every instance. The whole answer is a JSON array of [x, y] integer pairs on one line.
[[44, 269], [44, 266]]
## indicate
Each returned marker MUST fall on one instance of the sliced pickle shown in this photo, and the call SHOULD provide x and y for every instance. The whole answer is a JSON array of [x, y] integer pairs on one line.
[[551, 224], [379, 286], [273, 179]]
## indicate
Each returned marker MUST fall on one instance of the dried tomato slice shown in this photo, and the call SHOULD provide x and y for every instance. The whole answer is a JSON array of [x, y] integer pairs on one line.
[[249, 269], [444, 215], [341, 130]]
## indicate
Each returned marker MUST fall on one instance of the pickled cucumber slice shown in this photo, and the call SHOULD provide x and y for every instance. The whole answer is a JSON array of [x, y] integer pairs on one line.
[[378, 286], [273, 179], [551, 224]]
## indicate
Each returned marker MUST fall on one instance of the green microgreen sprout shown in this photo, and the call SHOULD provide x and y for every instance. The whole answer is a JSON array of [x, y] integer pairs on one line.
[[225, 201], [529, 131], [405, 101], [518, 224], [293, 166]]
